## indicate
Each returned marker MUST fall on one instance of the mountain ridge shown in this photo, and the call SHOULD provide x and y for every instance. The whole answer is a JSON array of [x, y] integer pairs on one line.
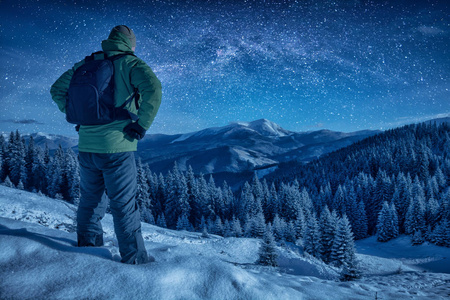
[[240, 146]]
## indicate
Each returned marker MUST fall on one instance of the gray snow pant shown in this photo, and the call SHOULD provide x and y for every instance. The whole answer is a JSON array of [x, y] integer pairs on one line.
[[117, 173]]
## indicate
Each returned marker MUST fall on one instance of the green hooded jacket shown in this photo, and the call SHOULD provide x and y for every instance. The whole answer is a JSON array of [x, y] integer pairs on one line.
[[130, 73]]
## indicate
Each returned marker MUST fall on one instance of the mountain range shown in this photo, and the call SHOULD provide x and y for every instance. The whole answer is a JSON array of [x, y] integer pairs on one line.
[[240, 147]]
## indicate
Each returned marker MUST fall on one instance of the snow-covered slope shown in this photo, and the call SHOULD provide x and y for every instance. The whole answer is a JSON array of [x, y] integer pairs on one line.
[[39, 260]]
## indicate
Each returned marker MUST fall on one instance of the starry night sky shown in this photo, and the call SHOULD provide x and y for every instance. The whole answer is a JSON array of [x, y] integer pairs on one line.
[[306, 65]]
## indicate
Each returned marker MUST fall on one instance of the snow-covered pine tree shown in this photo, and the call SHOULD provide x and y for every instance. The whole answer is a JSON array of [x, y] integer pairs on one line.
[[257, 189], [218, 227], [202, 225], [183, 223], [327, 227], [245, 201], [177, 201], [387, 226], [312, 241], [415, 217], [160, 196], [20, 185], [46, 171], [161, 221], [432, 211], [300, 224], [350, 270], [142, 194], [7, 182], [291, 200], [1, 161], [343, 250], [338, 203], [3, 152], [441, 233], [55, 173], [351, 205], [305, 203], [274, 204], [440, 178], [30, 158], [258, 225], [267, 251], [423, 163], [360, 229], [278, 228], [394, 217], [290, 234], [73, 177], [236, 227], [266, 201], [402, 198], [193, 197], [147, 216], [417, 238], [16, 158]]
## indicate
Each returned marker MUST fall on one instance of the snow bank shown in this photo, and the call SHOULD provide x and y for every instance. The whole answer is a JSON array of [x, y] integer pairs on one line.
[[39, 260]]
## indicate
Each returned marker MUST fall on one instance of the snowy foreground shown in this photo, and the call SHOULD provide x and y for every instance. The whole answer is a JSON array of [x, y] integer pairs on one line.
[[39, 260]]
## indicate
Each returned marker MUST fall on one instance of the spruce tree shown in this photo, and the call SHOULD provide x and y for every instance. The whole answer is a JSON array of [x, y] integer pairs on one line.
[[142, 194], [258, 225], [300, 224], [415, 217], [218, 227], [339, 201], [350, 270], [8, 182], [20, 185], [202, 226], [183, 223], [290, 234], [161, 221], [236, 227], [417, 238], [387, 226], [343, 250], [441, 233], [312, 241], [278, 229], [227, 230], [327, 227], [267, 251], [360, 229], [30, 158]]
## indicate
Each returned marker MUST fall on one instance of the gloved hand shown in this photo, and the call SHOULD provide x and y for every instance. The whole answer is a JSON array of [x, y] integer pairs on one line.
[[134, 130]]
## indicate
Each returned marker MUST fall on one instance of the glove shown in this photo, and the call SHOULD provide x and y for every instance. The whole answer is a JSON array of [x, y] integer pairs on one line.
[[134, 130]]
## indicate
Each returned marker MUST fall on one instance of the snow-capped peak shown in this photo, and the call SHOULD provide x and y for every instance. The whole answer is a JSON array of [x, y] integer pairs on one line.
[[266, 128]]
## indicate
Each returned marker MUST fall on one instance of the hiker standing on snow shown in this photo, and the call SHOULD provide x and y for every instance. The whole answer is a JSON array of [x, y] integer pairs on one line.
[[107, 144]]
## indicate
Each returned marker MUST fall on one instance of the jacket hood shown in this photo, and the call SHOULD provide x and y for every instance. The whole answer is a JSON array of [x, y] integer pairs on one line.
[[117, 42]]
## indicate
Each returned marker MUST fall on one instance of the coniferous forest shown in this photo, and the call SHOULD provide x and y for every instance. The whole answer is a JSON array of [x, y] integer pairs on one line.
[[396, 182]]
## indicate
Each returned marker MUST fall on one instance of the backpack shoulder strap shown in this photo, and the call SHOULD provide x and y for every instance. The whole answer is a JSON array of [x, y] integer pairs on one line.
[[95, 56], [115, 57]]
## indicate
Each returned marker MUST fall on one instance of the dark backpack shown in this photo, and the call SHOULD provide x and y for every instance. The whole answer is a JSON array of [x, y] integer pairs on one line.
[[90, 99]]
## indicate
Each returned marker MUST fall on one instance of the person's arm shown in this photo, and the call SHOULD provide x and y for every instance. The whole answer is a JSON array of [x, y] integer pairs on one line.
[[60, 89], [150, 90]]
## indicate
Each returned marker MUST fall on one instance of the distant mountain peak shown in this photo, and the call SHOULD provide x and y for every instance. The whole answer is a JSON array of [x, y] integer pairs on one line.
[[266, 128]]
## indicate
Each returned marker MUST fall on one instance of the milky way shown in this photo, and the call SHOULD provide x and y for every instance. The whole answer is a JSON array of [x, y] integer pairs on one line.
[[340, 65]]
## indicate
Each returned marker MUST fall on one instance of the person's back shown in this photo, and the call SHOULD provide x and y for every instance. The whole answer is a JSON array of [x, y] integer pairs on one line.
[[106, 152]]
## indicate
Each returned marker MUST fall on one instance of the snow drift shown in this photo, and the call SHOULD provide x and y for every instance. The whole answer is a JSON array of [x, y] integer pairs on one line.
[[39, 260]]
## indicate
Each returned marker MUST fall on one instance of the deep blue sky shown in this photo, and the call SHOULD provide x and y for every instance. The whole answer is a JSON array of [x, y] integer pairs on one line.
[[340, 65]]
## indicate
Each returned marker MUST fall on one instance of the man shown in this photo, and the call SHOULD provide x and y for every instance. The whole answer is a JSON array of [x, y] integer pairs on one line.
[[106, 152]]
